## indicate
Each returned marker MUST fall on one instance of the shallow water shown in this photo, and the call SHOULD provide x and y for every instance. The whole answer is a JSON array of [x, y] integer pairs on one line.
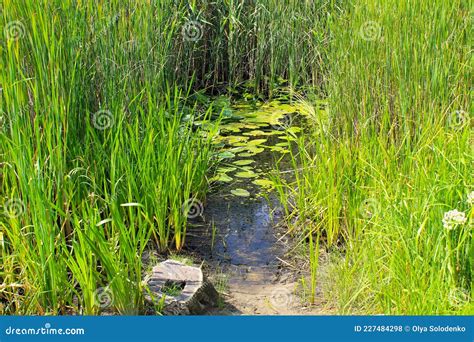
[[245, 231], [239, 213]]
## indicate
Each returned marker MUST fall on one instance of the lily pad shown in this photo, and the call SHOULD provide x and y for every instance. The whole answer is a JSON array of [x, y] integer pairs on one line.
[[287, 137], [231, 140], [226, 169], [223, 178], [246, 138], [256, 142], [237, 149], [243, 162], [246, 154], [258, 132], [255, 133], [240, 192], [226, 155], [246, 174], [255, 149], [263, 182], [232, 127]]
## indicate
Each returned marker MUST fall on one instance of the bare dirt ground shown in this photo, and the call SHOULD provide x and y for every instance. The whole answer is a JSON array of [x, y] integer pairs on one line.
[[265, 291], [261, 290]]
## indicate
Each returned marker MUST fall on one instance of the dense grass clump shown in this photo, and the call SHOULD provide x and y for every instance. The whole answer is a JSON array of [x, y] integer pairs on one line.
[[391, 156]]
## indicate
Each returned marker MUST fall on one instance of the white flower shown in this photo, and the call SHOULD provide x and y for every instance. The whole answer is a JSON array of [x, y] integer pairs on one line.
[[470, 198], [453, 218]]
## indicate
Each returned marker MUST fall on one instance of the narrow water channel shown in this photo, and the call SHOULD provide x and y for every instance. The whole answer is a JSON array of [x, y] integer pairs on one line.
[[241, 211]]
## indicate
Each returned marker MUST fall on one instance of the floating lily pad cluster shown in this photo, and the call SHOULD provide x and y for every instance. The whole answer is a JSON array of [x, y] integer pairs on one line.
[[247, 140]]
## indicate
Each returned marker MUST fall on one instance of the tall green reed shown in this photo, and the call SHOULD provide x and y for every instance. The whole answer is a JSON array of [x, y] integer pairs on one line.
[[96, 161], [390, 156]]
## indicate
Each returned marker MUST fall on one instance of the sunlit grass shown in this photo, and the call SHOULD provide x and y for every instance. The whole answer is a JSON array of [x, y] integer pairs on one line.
[[389, 158]]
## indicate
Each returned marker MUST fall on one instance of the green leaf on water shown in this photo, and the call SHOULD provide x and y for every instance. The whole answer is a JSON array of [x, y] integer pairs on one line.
[[243, 162], [234, 139], [255, 133], [226, 169], [222, 178], [246, 154], [225, 155], [240, 192], [246, 174], [263, 182], [256, 142], [254, 150], [287, 138]]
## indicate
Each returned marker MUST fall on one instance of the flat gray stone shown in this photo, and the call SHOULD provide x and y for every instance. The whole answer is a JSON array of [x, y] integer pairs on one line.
[[197, 293]]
